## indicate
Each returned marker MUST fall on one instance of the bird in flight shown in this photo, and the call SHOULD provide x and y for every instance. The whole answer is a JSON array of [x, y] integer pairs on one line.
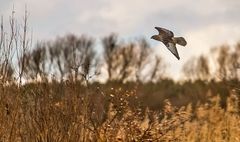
[[168, 39]]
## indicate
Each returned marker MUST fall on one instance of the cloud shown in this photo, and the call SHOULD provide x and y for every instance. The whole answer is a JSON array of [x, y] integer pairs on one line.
[[134, 17], [37, 9], [202, 39]]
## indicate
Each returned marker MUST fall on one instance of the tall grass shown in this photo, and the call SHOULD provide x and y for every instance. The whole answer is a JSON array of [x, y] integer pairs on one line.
[[63, 112]]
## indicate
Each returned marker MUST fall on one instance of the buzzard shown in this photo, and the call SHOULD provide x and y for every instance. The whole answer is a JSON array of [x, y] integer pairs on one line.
[[168, 39]]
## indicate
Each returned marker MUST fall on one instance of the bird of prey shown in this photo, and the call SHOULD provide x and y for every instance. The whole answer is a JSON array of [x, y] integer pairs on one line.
[[168, 39]]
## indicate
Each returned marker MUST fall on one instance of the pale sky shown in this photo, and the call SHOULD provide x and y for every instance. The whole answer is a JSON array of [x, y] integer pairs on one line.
[[203, 23]]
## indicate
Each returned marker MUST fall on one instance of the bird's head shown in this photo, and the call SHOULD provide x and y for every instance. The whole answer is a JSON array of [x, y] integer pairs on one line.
[[155, 37]]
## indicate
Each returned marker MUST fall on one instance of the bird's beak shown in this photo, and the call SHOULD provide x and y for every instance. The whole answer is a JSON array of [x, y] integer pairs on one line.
[[151, 37]]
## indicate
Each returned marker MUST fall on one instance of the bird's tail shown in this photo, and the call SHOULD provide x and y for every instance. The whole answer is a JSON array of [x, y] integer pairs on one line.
[[180, 41]]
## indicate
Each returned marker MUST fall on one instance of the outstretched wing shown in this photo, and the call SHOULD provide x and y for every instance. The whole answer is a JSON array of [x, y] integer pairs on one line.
[[173, 49], [165, 32]]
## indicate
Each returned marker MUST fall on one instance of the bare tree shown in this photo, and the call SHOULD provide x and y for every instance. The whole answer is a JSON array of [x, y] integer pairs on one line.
[[87, 57], [196, 68], [57, 59], [74, 56], [222, 59], [127, 61], [127, 66], [202, 68], [227, 61], [22, 42], [189, 70], [143, 57], [158, 69], [110, 45], [6, 49], [234, 63], [36, 62]]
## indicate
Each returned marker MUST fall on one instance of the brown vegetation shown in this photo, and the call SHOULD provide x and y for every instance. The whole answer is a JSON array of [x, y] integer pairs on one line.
[[72, 112]]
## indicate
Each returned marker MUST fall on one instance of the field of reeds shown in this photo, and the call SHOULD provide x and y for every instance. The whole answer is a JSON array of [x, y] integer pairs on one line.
[[72, 112], [53, 92]]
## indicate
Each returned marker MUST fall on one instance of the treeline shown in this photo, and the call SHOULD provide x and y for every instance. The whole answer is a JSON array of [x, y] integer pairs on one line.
[[224, 60], [75, 58], [78, 58]]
